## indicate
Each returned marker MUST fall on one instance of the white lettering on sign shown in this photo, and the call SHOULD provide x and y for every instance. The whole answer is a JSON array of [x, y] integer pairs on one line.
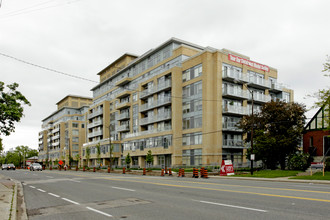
[[248, 62]]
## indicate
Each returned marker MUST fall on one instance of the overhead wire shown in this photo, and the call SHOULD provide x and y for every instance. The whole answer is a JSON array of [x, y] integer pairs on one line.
[[46, 68]]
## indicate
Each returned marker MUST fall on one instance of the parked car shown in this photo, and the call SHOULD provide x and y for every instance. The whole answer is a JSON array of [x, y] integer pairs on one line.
[[11, 166], [4, 166], [35, 166]]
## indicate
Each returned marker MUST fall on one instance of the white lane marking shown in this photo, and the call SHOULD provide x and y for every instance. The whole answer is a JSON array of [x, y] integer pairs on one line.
[[33, 187], [233, 206], [49, 176], [132, 190], [76, 181], [68, 200], [41, 190], [103, 213], [52, 194], [24, 184]]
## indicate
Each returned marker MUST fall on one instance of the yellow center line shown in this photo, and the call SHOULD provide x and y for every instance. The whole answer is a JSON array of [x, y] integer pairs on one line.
[[222, 190], [130, 179]]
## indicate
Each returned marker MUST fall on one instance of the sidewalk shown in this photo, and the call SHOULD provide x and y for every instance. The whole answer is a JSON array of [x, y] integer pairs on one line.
[[8, 198]]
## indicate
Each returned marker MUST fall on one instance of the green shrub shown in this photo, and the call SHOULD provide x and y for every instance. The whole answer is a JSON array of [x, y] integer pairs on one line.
[[327, 164], [298, 161]]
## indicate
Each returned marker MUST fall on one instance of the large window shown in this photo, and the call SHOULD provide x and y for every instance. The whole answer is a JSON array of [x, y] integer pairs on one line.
[[192, 139], [192, 157], [192, 73], [192, 122], [192, 89]]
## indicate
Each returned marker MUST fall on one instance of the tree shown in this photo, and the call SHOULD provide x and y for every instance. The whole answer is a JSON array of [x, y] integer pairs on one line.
[[149, 158], [77, 157], [11, 107], [128, 160], [21, 152], [277, 131]]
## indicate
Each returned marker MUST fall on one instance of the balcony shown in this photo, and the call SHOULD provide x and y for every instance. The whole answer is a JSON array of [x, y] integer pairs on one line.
[[147, 132], [160, 87], [233, 77], [276, 87], [124, 94], [95, 133], [234, 110], [56, 137], [231, 126], [259, 83], [123, 105], [123, 128], [95, 113], [158, 118], [235, 94], [56, 130], [260, 98], [233, 144], [124, 116], [95, 124], [155, 104], [124, 81]]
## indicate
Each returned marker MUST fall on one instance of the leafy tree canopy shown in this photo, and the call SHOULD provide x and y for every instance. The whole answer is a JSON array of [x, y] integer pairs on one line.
[[277, 131], [11, 107]]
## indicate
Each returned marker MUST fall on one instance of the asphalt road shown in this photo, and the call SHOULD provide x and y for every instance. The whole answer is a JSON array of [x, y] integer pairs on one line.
[[82, 195]]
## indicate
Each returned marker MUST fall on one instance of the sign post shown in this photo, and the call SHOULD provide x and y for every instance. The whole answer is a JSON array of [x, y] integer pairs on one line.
[[226, 168]]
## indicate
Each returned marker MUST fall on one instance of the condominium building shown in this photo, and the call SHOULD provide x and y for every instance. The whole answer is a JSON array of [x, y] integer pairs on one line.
[[64, 131], [181, 101]]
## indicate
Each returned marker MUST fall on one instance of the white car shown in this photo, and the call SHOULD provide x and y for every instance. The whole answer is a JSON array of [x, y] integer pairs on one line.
[[4, 166], [35, 166]]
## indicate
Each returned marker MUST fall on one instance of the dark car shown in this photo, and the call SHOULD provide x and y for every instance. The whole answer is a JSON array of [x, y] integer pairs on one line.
[[4, 166], [11, 166], [35, 166]]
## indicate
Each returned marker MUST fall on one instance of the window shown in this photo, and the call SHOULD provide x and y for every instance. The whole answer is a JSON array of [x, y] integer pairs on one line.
[[75, 139], [192, 139], [75, 125], [75, 132], [192, 73], [192, 157]]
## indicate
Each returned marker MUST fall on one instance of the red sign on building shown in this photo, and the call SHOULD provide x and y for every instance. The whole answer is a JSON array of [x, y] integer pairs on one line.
[[226, 168], [60, 162], [248, 62]]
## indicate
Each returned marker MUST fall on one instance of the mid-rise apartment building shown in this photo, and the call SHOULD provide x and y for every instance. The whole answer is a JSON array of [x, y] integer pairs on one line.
[[64, 131], [181, 101]]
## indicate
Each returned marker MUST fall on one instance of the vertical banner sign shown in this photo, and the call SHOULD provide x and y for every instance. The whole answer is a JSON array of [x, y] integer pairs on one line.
[[248, 62], [226, 168]]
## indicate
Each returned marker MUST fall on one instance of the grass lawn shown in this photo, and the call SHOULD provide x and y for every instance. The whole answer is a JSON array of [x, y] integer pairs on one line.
[[270, 173], [316, 176]]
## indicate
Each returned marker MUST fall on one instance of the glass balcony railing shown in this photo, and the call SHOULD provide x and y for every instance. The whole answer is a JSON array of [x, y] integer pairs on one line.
[[232, 143]]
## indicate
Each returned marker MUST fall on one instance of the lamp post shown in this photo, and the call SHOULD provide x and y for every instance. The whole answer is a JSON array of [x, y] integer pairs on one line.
[[252, 115]]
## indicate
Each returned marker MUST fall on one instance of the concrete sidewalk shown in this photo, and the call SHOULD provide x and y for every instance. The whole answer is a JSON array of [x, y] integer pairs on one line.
[[12, 204], [8, 195]]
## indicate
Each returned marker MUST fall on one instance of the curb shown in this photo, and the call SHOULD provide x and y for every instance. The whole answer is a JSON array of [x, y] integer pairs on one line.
[[20, 209]]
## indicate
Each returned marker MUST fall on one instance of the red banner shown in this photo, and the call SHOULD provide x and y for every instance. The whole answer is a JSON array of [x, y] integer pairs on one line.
[[248, 62]]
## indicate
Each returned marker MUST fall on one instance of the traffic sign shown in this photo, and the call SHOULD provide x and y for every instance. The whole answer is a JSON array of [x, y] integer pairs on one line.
[[226, 168]]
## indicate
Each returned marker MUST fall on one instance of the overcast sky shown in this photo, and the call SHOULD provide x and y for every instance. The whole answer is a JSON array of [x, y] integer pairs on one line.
[[81, 37]]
